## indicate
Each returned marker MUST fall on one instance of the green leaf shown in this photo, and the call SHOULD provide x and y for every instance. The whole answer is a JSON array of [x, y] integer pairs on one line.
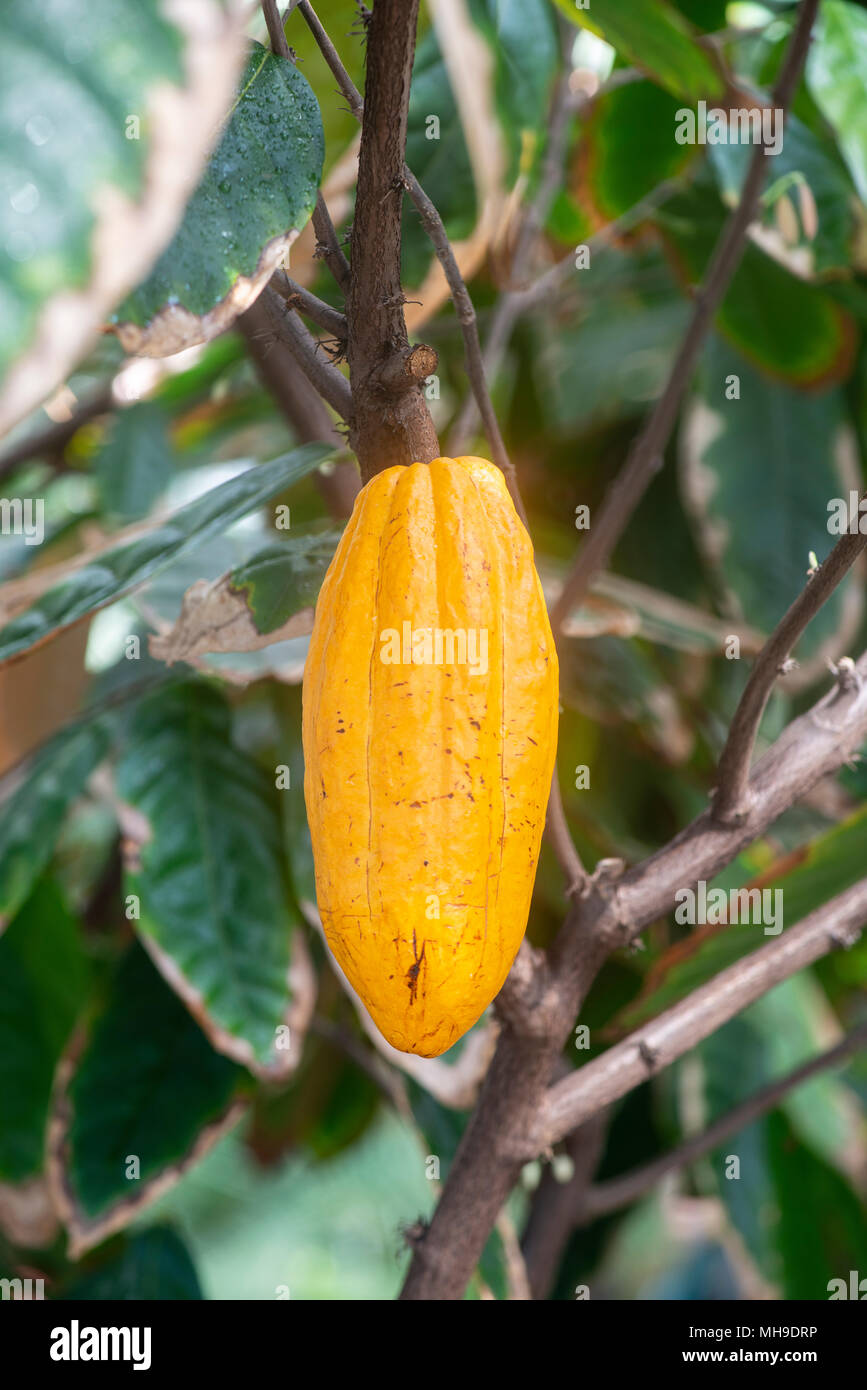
[[778, 1033], [795, 1022], [147, 1086], [758, 473], [281, 579], [803, 159], [70, 87], [706, 15], [134, 464], [261, 184], [70, 498], [733, 1064], [34, 813], [635, 336], [43, 977], [117, 571], [821, 1224], [493, 1266], [628, 147], [211, 882], [328, 1105], [152, 1264], [777, 320], [836, 76], [101, 100], [522, 36], [824, 868], [653, 36], [622, 680]]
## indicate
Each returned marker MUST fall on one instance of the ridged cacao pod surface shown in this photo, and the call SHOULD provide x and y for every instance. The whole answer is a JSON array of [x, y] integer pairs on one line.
[[429, 726]]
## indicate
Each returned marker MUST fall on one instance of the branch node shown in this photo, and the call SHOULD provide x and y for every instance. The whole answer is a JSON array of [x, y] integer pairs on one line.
[[846, 673], [414, 1234], [844, 937], [732, 817], [406, 371], [606, 874]]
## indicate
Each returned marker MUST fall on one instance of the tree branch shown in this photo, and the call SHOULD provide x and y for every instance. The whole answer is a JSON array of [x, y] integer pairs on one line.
[[328, 247], [646, 455], [386, 428], [610, 912], [811, 747], [655, 1046], [619, 1192], [731, 797]]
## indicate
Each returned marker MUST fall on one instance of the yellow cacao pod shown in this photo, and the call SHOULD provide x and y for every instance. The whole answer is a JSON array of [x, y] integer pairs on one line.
[[430, 729]]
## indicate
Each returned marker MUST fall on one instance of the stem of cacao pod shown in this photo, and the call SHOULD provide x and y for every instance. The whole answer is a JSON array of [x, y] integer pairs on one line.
[[391, 423]]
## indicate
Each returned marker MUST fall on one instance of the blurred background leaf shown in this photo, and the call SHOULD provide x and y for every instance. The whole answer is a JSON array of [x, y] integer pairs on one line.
[[213, 895]]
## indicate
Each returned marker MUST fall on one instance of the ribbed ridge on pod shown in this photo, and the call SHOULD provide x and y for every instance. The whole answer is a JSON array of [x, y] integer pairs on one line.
[[430, 730]]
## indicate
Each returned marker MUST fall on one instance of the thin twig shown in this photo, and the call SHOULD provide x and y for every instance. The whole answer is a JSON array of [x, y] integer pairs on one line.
[[332, 58], [813, 746], [276, 33], [730, 802], [328, 247], [288, 329], [560, 840], [620, 1192], [646, 455], [297, 297], [466, 313]]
